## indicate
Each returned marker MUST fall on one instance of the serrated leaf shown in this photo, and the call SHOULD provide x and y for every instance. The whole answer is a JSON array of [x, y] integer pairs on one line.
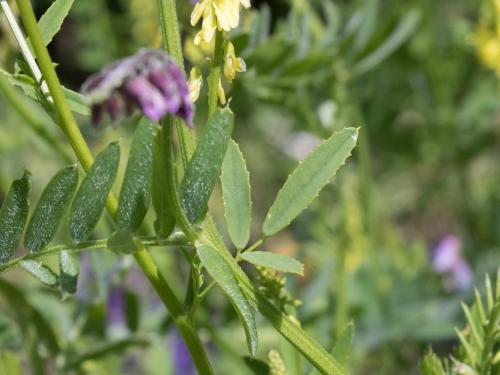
[[307, 180], [277, 262], [50, 23], [135, 194], [236, 194], [91, 196], [205, 165], [69, 270], [122, 242], [343, 348], [43, 273], [50, 209], [165, 220], [221, 272], [13, 216]]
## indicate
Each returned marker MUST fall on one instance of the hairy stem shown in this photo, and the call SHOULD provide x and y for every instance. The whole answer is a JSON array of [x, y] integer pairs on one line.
[[82, 151]]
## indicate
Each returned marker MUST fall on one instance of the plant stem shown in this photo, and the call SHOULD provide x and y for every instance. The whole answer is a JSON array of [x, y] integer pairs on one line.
[[214, 77], [82, 151]]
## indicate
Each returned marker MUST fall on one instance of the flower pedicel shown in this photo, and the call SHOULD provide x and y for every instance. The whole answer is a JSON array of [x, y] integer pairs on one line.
[[149, 80]]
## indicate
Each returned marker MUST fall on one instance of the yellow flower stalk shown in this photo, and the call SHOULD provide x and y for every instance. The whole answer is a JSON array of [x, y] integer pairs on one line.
[[217, 14]]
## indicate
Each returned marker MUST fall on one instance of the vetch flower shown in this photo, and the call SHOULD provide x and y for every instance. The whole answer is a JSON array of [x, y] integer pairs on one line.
[[232, 64], [447, 260], [194, 83], [216, 14], [149, 80]]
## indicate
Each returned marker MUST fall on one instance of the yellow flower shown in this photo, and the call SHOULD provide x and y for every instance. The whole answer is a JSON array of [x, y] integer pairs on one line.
[[232, 64], [194, 83], [216, 14], [221, 93]]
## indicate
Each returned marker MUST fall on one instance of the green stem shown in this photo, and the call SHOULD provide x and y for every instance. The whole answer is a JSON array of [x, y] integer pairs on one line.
[[82, 151], [215, 70]]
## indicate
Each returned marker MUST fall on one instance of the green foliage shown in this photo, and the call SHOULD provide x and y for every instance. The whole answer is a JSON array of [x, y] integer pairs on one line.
[[122, 242], [307, 180], [69, 269], [136, 188], [236, 193], [50, 210], [50, 23], [43, 273], [205, 165], [273, 261], [13, 216], [221, 272], [342, 350], [91, 196]]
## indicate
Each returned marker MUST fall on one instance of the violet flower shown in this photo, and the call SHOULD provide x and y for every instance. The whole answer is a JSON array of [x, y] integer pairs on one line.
[[149, 80], [447, 260], [183, 364]]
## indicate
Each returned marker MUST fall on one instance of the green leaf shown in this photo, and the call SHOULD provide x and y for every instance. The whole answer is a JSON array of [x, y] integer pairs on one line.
[[69, 271], [122, 242], [50, 23], [256, 366], [236, 193], [205, 165], [221, 272], [343, 348], [10, 364], [136, 189], [91, 196], [50, 209], [165, 219], [431, 365], [277, 262], [13, 216], [43, 273], [406, 26], [307, 180]]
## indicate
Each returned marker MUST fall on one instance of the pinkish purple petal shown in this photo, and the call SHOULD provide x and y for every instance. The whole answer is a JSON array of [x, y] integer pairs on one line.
[[149, 99]]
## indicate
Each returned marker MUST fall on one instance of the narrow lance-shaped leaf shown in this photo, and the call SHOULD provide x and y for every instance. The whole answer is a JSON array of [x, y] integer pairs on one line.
[[69, 271], [43, 273], [307, 180], [236, 194], [50, 209], [205, 165], [276, 262], [91, 196], [221, 272], [50, 23], [343, 348], [13, 216], [165, 220], [136, 189]]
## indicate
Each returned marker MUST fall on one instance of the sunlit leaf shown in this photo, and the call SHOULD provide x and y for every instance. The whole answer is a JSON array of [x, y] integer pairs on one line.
[[307, 180], [221, 272], [43, 273], [236, 195], [91, 196], [50, 209], [50, 23], [204, 167], [13, 216]]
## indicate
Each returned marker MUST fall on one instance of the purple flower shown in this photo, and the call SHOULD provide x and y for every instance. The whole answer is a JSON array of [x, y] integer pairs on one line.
[[447, 260], [149, 80], [115, 307], [183, 364]]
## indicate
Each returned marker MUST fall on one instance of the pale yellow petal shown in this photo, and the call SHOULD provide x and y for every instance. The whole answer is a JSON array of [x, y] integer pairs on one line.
[[246, 3], [228, 13], [195, 82], [221, 93], [198, 11]]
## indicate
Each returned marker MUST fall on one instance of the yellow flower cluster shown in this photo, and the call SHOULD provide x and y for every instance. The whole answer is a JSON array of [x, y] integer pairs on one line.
[[487, 39], [216, 14]]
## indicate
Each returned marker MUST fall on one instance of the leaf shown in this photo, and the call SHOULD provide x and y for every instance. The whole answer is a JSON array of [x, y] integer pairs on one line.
[[43, 273], [205, 165], [221, 272], [343, 348], [13, 216], [50, 209], [401, 33], [136, 189], [165, 220], [307, 180], [50, 23], [277, 262], [69, 271], [91, 196], [236, 194], [256, 366], [10, 364], [431, 365], [123, 242]]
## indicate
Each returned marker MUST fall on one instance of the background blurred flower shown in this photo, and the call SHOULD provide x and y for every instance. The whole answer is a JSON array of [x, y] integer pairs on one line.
[[447, 260], [149, 80], [183, 365]]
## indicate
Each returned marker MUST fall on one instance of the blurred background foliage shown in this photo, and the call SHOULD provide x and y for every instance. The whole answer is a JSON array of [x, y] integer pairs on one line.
[[421, 79]]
